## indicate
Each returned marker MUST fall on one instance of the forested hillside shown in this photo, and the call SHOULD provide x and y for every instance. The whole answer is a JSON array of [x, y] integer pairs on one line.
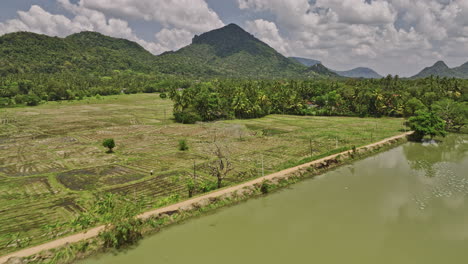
[[86, 52], [230, 52], [442, 70]]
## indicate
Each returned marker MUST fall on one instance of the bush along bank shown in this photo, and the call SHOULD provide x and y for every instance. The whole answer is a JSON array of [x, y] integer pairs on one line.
[[138, 227]]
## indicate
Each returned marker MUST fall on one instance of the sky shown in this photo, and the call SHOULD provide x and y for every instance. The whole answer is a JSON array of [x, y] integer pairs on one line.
[[391, 36]]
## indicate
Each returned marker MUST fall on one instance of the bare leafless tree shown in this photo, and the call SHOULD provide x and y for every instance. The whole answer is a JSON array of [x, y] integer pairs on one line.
[[221, 167]]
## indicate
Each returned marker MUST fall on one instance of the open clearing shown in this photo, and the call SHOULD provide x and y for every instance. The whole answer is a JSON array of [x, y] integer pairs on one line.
[[51, 155]]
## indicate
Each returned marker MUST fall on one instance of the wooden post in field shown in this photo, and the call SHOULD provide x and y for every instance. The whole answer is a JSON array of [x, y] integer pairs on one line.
[[256, 167], [194, 174], [194, 170], [310, 146], [263, 170]]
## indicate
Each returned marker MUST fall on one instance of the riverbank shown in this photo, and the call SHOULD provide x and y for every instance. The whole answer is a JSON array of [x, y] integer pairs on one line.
[[230, 195], [406, 204]]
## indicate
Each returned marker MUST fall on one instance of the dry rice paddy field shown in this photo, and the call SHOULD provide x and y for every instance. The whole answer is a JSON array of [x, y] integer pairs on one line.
[[51, 155]]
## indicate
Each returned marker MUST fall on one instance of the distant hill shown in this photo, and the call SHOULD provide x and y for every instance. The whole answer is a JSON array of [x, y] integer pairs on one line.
[[25, 52], [442, 70], [360, 72], [319, 69], [305, 61], [463, 69], [229, 52]]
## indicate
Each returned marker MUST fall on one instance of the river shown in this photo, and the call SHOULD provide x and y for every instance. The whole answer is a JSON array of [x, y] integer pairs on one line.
[[407, 205]]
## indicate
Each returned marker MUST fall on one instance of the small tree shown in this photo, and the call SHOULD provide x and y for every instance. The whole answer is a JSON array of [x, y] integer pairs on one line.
[[221, 167], [427, 124], [119, 214], [191, 187], [183, 146], [109, 143]]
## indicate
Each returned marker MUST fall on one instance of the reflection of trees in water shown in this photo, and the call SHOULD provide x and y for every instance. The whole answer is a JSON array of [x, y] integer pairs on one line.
[[441, 165], [424, 157]]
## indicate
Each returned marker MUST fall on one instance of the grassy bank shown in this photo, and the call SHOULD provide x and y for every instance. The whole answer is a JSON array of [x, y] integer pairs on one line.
[[52, 161]]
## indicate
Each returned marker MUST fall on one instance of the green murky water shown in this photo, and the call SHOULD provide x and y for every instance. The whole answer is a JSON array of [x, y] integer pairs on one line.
[[407, 205]]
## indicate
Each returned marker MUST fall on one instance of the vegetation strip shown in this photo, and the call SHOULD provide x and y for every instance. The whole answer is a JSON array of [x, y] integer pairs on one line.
[[175, 207]]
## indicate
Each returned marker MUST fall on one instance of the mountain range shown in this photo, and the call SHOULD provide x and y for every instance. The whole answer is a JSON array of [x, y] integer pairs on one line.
[[441, 69], [227, 52], [359, 72]]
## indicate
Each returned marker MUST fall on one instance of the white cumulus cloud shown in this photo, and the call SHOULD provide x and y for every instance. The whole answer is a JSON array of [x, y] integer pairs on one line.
[[268, 33], [192, 15], [175, 38], [181, 19], [392, 36]]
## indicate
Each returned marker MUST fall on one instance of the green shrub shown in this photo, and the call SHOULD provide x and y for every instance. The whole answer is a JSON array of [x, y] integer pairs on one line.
[[183, 146], [191, 187], [109, 143], [207, 186], [5, 102], [266, 187], [124, 232], [187, 116], [150, 89], [32, 100], [426, 124], [163, 95]]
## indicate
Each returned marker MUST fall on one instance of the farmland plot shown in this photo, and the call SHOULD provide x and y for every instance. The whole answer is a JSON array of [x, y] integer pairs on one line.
[[51, 157]]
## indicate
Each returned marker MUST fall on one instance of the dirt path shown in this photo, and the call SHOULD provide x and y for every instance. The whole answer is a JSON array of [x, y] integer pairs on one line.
[[95, 231]]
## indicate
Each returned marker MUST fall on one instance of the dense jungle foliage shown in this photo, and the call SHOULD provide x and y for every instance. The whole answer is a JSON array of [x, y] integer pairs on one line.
[[389, 96]]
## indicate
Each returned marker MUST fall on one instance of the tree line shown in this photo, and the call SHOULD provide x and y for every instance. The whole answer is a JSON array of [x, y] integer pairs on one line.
[[33, 89], [215, 99], [390, 96]]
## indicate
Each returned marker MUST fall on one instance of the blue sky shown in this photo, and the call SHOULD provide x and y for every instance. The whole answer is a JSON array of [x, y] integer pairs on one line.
[[390, 36]]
